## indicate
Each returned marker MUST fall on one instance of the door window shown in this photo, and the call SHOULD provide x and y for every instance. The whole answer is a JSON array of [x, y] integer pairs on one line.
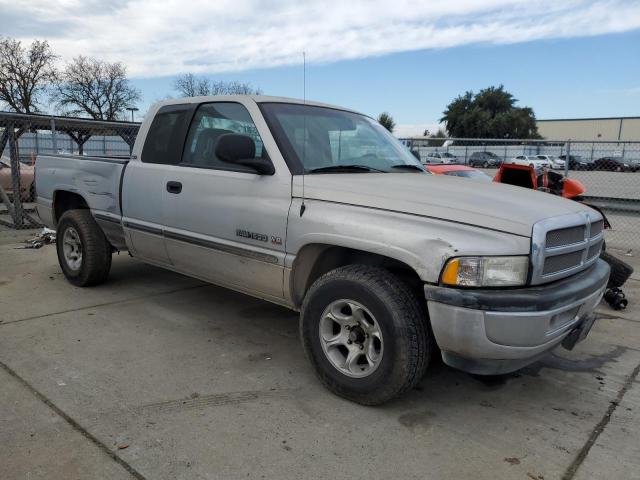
[[211, 121]]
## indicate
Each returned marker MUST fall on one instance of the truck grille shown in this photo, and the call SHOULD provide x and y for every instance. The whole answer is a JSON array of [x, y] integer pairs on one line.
[[562, 262], [565, 236], [563, 246], [596, 228]]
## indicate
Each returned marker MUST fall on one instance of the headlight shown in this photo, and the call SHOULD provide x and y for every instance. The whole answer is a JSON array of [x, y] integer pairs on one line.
[[486, 271]]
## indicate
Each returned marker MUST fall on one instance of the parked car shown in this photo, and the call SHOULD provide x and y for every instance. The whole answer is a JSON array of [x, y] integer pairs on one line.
[[27, 183], [459, 171], [578, 162], [615, 164], [484, 159], [385, 262], [530, 161], [441, 157], [553, 161]]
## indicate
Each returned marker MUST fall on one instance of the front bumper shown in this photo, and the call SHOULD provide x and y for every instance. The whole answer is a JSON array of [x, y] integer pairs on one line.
[[490, 331]]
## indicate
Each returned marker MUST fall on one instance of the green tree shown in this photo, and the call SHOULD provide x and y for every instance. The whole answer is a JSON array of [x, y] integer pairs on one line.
[[387, 121], [491, 113]]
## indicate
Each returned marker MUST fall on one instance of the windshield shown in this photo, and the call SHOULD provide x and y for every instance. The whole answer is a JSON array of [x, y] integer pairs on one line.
[[323, 139], [469, 174], [448, 155]]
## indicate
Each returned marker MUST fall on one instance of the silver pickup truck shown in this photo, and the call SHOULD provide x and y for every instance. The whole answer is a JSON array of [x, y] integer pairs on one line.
[[321, 210]]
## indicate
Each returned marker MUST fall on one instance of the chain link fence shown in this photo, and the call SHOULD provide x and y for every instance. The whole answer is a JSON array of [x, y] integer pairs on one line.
[[24, 137], [609, 171]]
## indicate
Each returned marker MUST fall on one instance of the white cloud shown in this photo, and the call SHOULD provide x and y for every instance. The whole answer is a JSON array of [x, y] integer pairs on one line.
[[164, 37]]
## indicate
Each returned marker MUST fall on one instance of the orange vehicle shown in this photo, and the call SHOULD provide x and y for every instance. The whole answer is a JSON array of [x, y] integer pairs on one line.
[[27, 179], [540, 179]]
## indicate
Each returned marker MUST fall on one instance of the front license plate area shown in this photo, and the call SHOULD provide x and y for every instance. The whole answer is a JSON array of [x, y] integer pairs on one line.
[[579, 333]]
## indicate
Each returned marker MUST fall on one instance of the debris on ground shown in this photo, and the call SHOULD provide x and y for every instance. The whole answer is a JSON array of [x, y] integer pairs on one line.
[[46, 237]]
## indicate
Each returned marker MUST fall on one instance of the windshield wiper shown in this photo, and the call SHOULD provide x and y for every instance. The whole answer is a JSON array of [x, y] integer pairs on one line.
[[408, 166], [344, 168]]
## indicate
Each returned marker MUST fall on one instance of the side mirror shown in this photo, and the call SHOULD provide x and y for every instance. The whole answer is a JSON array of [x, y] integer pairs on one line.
[[241, 150]]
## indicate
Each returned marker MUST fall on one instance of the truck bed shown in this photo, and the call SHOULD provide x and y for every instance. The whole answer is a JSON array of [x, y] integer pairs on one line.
[[96, 179]]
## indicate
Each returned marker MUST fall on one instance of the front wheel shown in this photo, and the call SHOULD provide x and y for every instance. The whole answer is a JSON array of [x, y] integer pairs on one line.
[[84, 253], [485, 164], [365, 333]]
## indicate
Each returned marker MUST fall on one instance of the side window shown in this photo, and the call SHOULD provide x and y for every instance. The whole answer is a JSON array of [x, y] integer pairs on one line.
[[211, 121], [166, 134]]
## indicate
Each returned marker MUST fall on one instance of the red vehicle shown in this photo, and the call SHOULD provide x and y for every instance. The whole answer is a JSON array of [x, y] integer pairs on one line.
[[458, 171]]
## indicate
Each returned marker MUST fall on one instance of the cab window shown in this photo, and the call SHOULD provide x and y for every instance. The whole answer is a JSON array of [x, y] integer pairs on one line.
[[211, 121]]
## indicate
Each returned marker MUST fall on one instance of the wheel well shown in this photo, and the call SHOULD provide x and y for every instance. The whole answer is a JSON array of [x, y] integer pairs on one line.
[[315, 260], [63, 201]]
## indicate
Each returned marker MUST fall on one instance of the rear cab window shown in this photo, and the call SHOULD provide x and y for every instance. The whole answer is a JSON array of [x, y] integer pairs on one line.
[[166, 134]]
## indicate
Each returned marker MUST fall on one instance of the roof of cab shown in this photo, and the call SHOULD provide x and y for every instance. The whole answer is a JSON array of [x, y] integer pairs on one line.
[[255, 98]]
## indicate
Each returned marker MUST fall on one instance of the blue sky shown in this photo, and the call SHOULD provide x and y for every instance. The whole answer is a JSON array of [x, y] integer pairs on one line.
[[559, 78], [568, 58]]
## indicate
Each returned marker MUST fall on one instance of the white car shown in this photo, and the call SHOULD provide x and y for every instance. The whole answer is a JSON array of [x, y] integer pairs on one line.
[[554, 161], [530, 160], [441, 157]]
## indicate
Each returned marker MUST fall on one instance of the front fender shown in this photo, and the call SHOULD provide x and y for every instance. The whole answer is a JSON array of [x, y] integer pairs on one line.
[[420, 242]]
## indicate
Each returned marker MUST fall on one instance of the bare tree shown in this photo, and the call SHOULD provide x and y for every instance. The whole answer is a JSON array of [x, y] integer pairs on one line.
[[233, 88], [25, 73], [190, 85], [96, 88]]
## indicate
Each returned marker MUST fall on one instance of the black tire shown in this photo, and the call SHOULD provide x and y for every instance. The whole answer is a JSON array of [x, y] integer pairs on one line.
[[485, 164], [620, 271], [96, 250], [402, 320]]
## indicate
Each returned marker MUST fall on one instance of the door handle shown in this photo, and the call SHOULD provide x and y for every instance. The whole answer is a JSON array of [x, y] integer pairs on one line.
[[174, 187]]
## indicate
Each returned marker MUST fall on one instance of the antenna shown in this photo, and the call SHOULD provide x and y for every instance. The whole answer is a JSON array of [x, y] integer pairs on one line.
[[303, 207]]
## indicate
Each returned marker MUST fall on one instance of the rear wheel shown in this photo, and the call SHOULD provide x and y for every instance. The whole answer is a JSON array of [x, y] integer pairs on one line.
[[365, 334], [84, 253]]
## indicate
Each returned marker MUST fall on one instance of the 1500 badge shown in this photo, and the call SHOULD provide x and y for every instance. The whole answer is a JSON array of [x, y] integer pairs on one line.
[[260, 237]]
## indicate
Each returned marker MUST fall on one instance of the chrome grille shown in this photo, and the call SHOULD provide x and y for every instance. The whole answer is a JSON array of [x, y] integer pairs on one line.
[[596, 228], [565, 245], [565, 236]]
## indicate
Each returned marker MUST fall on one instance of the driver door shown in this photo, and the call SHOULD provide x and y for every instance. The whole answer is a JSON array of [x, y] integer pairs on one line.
[[223, 222]]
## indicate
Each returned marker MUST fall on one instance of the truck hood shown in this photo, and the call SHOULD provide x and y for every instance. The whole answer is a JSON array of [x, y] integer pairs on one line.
[[487, 205]]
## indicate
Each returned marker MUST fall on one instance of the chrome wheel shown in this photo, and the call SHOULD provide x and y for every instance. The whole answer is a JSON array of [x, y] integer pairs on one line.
[[72, 248], [351, 338]]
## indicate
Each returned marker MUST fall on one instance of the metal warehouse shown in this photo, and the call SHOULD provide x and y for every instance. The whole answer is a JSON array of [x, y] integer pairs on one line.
[[606, 128]]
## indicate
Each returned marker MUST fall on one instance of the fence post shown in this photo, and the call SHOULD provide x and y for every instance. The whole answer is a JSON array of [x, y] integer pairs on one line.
[[54, 141], [567, 159], [15, 176]]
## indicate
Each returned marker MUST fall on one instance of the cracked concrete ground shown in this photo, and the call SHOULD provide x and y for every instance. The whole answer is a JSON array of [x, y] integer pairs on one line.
[[157, 376]]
